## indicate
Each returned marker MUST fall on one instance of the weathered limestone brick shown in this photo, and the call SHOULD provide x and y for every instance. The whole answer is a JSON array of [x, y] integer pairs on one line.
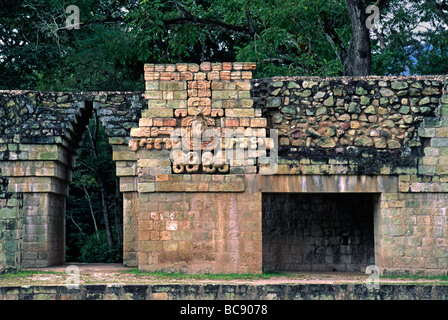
[[235, 113], [184, 237], [158, 112], [405, 226]]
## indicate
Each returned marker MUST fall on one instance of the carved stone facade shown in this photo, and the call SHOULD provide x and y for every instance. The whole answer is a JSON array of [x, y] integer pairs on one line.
[[192, 205]]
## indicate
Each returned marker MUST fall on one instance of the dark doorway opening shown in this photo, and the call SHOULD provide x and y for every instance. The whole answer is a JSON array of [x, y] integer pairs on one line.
[[318, 231], [94, 208]]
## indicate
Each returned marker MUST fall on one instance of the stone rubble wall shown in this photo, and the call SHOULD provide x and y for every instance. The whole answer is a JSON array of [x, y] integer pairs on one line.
[[371, 125]]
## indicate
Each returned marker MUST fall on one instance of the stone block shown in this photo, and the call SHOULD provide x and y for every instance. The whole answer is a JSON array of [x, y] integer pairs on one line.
[[225, 94], [160, 67], [150, 246], [170, 76], [193, 67], [151, 76], [158, 112], [152, 85], [179, 95], [444, 110], [246, 103], [157, 103], [245, 75], [205, 66], [199, 88], [149, 67], [442, 168], [244, 95], [249, 66], [182, 67], [154, 95], [232, 122], [177, 104], [214, 75], [200, 76], [235, 75], [173, 85], [439, 142], [442, 132], [235, 113], [430, 161], [125, 171], [146, 187], [224, 75], [188, 76]]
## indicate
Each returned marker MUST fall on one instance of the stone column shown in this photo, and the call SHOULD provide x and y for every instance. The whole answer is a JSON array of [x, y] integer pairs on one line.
[[10, 228], [42, 180], [126, 170]]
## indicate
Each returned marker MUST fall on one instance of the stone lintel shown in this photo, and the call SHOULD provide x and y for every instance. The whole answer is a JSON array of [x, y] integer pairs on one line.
[[41, 168], [38, 185], [202, 183], [321, 183]]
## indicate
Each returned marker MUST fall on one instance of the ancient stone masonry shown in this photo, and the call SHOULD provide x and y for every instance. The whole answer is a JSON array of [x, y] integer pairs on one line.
[[226, 291], [371, 122], [194, 98], [333, 173], [10, 228], [309, 232], [39, 137], [186, 220], [382, 126]]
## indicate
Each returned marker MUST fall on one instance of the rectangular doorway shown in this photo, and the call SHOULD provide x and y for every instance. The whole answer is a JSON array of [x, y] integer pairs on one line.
[[318, 231]]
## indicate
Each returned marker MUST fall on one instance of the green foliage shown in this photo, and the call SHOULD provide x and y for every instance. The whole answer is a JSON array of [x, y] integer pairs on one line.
[[117, 37], [37, 52], [25, 273], [25, 53], [287, 39], [98, 252], [104, 60], [415, 38]]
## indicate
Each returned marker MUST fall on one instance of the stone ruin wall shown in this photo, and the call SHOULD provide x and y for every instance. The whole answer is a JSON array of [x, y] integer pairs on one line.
[[378, 135], [376, 121], [39, 138]]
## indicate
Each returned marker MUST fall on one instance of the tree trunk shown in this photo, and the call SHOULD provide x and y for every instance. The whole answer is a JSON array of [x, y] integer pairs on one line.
[[359, 59], [92, 213]]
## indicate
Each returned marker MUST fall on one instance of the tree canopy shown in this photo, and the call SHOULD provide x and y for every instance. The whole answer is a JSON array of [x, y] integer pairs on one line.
[[291, 37]]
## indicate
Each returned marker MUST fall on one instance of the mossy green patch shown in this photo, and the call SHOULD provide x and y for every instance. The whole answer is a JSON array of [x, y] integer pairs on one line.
[[207, 276]]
